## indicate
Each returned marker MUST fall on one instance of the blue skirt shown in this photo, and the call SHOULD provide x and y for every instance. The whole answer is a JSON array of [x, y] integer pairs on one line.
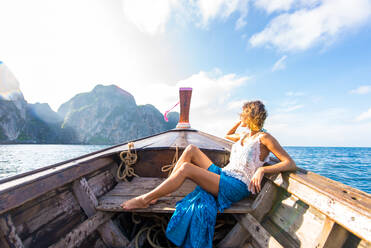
[[193, 221]]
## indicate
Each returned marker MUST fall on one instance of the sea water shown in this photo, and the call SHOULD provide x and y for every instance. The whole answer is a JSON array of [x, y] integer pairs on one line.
[[348, 165]]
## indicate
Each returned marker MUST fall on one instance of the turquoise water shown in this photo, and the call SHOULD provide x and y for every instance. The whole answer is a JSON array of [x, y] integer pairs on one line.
[[349, 165]]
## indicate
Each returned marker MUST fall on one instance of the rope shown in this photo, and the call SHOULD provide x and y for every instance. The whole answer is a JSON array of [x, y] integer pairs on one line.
[[129, 159], [159, 227], [170, 167]]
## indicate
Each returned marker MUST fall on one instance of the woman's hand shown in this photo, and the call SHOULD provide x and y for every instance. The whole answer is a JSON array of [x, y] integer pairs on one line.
[[255, 183]]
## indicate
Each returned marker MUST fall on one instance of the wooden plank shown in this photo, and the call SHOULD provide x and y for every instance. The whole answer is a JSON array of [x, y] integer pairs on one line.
[[27, 220], [109, 232], [235, 238], [8, 230], [281, 236], [82, 231], [260, 207], [352, 217], [297, 219], [102, 182], [264, 201], [259, 234], [332, 235], [163, 205], [142, 185], [124, 191], [13, 196]]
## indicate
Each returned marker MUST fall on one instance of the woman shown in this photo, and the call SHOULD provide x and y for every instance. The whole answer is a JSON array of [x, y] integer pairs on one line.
[[192, 224]]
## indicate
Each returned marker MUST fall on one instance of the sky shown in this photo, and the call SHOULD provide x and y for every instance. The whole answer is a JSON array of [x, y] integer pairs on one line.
[[308, 61]]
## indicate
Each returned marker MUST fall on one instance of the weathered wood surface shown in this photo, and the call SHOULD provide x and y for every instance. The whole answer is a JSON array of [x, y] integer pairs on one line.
[[109, 232], [30, 218], [82, 231], [139, 185], [20, 191], [347, 206], [8, 232], [332, 235], [260, 207], [54, 230], [163, 205], [298, 220], [257, 231], [150, 162], [235, 237]]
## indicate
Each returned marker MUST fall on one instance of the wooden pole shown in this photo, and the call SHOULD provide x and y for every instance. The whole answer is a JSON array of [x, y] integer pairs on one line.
[[185, 95]]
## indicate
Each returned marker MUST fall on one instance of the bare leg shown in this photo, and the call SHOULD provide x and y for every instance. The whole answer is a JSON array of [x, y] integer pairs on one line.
[[194, 155], [207, 180], [190, 154]]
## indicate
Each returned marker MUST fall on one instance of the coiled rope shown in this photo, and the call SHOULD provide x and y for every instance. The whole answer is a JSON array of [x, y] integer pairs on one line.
[[160, 228], [128, 158]]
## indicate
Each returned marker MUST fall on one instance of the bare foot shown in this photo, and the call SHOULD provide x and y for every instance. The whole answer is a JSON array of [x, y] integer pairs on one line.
[[134, 203], [155, 200]]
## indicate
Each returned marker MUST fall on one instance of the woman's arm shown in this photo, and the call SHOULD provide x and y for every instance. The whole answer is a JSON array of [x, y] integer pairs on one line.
[[286, 164], [232, 135]]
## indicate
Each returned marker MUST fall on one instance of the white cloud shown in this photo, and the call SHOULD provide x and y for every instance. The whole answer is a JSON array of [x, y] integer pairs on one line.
[[212, 9], [274, 5], [73, 45], [213, 109], [327, 127], [292, 108], [283, 5], [307, 26], [294, 93], [211, 99], [236, 104], [364, 116], [363, 89], [8, 83], [152, 16], [290, 104], [148, 16], [280, 64]]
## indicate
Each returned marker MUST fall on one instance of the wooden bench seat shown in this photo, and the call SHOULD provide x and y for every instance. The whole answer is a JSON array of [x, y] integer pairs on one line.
[[123, 191]]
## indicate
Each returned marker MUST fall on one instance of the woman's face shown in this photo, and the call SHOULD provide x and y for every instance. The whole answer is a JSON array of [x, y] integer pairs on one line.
[[243, 123]]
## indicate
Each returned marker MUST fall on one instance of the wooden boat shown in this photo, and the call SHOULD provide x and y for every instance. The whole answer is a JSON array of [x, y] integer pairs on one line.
[[76, 203]]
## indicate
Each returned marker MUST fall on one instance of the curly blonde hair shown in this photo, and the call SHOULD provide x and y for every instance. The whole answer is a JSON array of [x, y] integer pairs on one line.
[[254, 114]]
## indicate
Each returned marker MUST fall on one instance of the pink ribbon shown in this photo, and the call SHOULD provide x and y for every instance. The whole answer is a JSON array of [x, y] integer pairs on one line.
[[165, 115]]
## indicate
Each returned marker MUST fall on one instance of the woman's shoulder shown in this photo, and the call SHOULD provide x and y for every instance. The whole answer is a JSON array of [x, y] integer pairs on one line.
[[266, 137]]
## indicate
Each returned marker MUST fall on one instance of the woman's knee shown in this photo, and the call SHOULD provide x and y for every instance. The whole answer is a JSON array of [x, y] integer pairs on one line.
[[191, 148], [185, 169]]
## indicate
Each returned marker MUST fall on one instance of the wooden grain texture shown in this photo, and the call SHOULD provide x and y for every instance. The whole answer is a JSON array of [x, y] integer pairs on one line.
[[28, 220], [109, 232], [102, 182], [296, 219], [332, 235], [52, 231], [142, 185], [163, 205], [8, 232], [328, 197], [257, 231], [260, 207], [235, 237], [82, 231], [14, 195], [124, 191]]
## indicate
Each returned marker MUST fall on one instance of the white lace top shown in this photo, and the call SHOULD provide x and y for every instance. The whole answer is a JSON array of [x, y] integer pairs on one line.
[[245, 159]]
